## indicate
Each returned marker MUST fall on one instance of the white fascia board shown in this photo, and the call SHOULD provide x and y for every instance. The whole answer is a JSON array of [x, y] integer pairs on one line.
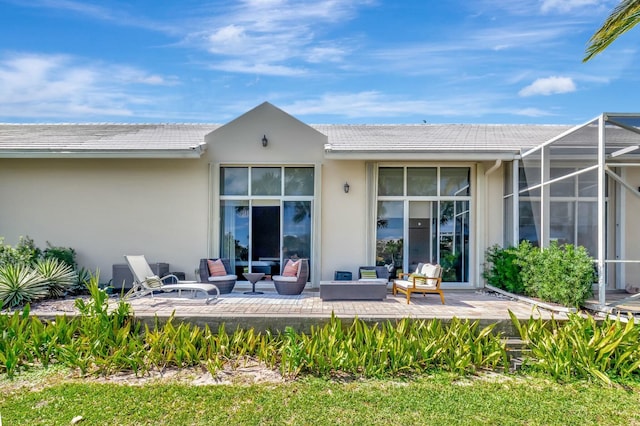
[[422, 156], [195, 152]]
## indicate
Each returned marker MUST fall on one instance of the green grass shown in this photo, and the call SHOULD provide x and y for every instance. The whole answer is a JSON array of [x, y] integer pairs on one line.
[[442, 399]]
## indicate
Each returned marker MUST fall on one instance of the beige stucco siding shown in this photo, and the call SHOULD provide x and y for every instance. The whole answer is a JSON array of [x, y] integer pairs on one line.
[[105, 209], [344, 216]]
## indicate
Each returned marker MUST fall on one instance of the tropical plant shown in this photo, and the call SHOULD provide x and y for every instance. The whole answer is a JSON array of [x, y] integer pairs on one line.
[[64, 254], [581, 348], [20, 284], [624, 17], [501, 269], [58, 275], [25, 252]]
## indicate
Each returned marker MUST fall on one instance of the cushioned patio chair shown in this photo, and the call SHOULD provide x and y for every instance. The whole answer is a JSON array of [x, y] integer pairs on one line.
[[294, 277], [145, 282], [426, 279], [211, 271], [373, 274]]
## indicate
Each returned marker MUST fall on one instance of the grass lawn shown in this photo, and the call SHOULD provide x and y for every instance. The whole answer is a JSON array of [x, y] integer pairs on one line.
[[442, 399]]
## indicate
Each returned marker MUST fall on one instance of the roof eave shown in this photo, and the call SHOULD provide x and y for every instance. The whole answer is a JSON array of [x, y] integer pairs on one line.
[[422, 155], [192, 152]]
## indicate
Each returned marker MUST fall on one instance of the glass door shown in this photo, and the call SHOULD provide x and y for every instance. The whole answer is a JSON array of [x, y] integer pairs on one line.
[[265, 237], [265, 216], [422, 230]]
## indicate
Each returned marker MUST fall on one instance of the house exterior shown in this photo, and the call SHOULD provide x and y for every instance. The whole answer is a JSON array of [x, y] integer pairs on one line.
[[266, 186]]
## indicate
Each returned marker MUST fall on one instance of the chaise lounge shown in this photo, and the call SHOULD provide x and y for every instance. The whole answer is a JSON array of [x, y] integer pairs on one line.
[[218, 271], [145, 282]]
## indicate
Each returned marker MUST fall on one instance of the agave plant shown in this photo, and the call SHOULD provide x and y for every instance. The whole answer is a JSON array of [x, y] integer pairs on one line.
[[20, 284], [57, 274]]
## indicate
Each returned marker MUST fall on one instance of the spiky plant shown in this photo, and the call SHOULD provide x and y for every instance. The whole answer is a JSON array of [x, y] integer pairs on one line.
[[20, 284], [58, 275]]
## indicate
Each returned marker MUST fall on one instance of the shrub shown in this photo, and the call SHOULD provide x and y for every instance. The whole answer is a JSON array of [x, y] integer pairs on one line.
[[20, 284], [63, 254], [24, 253], [582, 348], [561, 274], [58, 275], [502, 271]]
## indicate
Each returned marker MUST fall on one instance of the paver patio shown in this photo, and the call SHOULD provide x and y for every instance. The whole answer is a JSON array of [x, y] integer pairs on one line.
[[273, 311]]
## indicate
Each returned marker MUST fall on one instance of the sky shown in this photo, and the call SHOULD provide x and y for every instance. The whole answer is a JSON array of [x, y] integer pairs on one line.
[[324, 61]]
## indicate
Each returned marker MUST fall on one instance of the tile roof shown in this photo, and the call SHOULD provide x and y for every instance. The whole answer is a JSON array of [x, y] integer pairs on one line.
[[119, 138], [437, 137], [144, 139]]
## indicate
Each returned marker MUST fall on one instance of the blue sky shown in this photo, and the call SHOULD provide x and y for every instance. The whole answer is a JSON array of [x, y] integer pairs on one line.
[[324, 61]]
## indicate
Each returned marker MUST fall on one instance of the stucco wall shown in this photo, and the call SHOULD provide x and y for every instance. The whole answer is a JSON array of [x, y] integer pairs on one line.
[[105, 209], [343, 217]]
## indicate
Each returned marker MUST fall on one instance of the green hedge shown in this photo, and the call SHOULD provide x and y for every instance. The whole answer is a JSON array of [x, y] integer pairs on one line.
[[560, 273]]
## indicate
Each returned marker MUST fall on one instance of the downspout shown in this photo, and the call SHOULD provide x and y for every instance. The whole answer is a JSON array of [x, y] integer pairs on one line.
[[493, 168]]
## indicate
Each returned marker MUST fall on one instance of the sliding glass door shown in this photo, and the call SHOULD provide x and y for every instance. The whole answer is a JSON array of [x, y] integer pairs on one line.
[[265, 215], [423, 216]]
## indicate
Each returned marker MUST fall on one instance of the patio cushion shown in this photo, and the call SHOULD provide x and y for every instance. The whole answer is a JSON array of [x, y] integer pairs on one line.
[[291, 268], [368, 274], [286, 279], [223, 278], [430, 271], [216, 268]]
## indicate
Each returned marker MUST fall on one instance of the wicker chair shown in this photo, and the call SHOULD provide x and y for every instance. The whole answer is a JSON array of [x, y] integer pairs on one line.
[[224, 283], [382, 273], [292, 285]]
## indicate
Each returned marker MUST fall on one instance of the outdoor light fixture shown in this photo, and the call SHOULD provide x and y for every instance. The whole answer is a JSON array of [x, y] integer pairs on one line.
[[346, 187], [265, 141]]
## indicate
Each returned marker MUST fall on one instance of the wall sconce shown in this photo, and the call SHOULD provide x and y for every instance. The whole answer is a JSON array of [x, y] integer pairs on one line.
[[346, 187], [265, 141]]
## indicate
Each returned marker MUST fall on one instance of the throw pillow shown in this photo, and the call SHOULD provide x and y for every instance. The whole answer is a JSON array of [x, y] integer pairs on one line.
[[216, 268], [419, 279], [429, 270], [153, 281], [291, 268], [368, 274]]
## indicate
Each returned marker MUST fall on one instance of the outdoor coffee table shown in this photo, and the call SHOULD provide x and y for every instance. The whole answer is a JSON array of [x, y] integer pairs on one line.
[[253, 278], [353, 290]]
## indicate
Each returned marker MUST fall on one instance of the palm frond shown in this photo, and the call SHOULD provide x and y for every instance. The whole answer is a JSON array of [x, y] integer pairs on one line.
[[624, 17]]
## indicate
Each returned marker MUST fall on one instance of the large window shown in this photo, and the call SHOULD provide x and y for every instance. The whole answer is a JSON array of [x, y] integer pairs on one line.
[[423, 216], [265, 215]]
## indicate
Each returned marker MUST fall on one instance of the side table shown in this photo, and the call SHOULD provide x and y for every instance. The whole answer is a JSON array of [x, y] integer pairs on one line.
[[253, 278]]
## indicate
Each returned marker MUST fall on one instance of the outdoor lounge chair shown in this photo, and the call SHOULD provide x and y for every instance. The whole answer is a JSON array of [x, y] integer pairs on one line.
[[373, 274], [426, 279], [292, 284], [145, 282], [225, 283]]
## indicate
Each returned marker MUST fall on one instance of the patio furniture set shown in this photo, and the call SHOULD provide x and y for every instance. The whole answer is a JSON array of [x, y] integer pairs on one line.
[[216, 278]]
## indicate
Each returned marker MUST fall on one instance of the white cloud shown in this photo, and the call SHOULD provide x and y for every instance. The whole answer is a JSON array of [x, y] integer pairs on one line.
[[532, 112], [549, 86], [567, 5], [275, 34], [258, 68], [61, 86]]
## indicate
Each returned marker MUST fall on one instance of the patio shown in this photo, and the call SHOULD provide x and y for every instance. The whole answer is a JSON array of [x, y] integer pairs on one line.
[[275, 312]]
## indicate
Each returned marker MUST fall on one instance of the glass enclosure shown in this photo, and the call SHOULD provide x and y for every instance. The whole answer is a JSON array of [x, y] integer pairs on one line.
[[571, 190]]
